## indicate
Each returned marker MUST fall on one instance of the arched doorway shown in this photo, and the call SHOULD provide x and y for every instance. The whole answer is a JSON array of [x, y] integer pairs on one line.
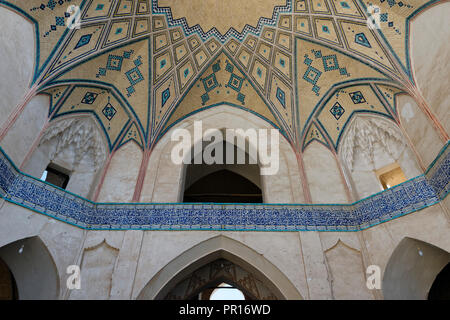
[[220, 274], [416, 270], [440, 289], [8, 286], [33, 273], [223, 182], [213, 262]]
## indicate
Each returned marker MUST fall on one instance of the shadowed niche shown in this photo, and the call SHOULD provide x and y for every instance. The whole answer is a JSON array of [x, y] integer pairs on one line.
[[223, 186]]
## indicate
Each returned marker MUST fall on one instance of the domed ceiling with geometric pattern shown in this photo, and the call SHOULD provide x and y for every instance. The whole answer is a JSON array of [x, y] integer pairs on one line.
[[141, 66]]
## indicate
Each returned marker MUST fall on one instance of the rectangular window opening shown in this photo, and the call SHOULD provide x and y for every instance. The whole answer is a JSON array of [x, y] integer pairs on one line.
[[390, 176], [56, 175]]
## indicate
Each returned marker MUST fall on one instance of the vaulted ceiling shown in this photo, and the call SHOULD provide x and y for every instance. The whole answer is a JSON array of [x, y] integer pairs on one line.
[[141, 66]]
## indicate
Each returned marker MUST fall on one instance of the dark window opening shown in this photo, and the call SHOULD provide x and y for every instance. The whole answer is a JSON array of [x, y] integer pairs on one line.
[[223, 183], [56, 176], [223, 186], [440, 290]]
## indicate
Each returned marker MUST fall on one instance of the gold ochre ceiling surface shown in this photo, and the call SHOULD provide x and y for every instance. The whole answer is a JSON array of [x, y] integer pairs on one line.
[[141, 66]]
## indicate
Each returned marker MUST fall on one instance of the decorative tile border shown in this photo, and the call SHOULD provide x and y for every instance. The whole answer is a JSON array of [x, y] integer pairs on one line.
[[413, 195], [213, 32]]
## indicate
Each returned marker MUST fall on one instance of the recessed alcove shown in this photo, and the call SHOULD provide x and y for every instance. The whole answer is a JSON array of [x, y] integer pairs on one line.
[[222, 182], [390, 176]]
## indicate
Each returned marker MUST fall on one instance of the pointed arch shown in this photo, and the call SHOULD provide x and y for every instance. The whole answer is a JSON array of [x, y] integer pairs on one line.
[[210, 250], [33, 268], [281, 187], [412, 269]]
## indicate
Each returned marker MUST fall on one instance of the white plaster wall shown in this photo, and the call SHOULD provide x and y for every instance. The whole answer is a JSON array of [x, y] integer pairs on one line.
[[347, 273], [430, 59], [316, 270], [121, 177], [446, 205], [164, 179], [62, 240], [17, 62], [159, 248], [423, 136], [430, 225], [324, 179], [346, 260], [97, 267], [23, 133]]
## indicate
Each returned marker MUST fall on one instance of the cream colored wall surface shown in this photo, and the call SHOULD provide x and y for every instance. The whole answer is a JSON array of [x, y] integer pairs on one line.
[[430, 58], [63, 241], [17, 60], [23, 133], [316, 270], [322, 171], [347, 273], [159, 248], [423, 135], [122, 174]]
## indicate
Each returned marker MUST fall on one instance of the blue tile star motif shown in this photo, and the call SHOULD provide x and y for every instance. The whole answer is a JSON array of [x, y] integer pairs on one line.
[[210, 82], [357, 97], [330, 63], [51, 4], [114, 63], [241, 98], [134, 76], [165, 96], [235, 82], [312, 75], [281, 96], [337, 111], [361, 39], [60, 21], [89, 98], [109, 111], [84, 40], [205, 98], [345, 5]]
